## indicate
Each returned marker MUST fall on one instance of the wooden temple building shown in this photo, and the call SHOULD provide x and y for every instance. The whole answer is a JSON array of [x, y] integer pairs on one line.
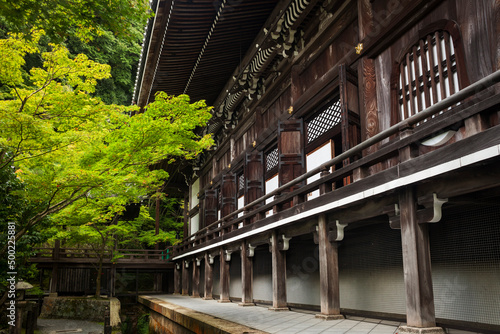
[[357, 161]]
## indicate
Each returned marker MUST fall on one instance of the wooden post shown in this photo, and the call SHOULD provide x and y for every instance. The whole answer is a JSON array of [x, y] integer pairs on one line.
[[279, 275], [328, 273], [209, 276], [417, 267], [224, 278], [177, 278], [185, 278], [291, 157], [54, 278], [196, 279], [246, 276]]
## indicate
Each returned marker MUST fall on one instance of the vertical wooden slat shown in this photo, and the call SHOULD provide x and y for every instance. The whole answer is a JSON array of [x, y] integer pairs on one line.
[[425, 74], [403, 90], [410, 83], [432, 69], [440, 65], [416, 78], [449, 69]]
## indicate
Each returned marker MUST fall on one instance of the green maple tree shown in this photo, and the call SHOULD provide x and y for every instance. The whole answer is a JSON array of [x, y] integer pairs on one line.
[[81, 161]]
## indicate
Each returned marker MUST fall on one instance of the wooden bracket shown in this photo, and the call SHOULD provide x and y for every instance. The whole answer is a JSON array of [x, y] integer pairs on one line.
[[315, 234], [283, 243], [250, 250], [186, 263], [433, 209], [227, 254], [198, 261], [178, 266], [211, 259], [431, 213], [336, 232], [394, 218]]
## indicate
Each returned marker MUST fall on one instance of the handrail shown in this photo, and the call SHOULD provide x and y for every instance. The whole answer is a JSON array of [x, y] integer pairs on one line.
[[88, 252], [466, 92]]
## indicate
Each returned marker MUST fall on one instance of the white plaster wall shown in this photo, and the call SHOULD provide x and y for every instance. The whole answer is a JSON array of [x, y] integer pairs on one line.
[[235, 276], [262, 274], [302, 282], [373, 290], [216, 280]]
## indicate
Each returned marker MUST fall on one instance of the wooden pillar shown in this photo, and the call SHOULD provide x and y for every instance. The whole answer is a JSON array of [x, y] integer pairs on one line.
[[417, 267], [254, 180], [177, 278], [291, 158], [196, 279], [54, 278], [228, 191], [185, 278], [209, 276], [246, 275], [224, 277], [210, 207], [279, 275], [328, 273]]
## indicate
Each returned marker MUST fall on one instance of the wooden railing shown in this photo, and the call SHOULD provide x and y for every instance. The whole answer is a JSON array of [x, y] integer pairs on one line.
[[118, 255], [401, 138]]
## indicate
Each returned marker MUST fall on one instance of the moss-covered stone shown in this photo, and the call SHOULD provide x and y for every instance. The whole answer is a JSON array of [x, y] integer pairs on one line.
[[81, 308]]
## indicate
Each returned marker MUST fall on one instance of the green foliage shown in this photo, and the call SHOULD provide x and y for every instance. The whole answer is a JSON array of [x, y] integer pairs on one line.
[[85, 19], [14, 208], [143, 324], [119, 53], [80, 161]]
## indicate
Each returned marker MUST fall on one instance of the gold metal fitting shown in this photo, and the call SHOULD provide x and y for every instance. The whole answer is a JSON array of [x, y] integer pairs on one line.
[[290, 110], [254, 143], [359, 48]]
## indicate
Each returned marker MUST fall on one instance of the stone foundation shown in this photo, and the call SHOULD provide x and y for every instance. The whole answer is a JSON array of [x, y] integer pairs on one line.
[[81, 308]]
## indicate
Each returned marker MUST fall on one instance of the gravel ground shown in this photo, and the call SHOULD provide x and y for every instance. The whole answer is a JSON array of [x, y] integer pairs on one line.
[[67, 326]]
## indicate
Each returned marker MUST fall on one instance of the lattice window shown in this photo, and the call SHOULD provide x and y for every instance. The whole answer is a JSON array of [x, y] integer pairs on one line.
[[324, 121], [241, 182], [428, 74], [272, 160]]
